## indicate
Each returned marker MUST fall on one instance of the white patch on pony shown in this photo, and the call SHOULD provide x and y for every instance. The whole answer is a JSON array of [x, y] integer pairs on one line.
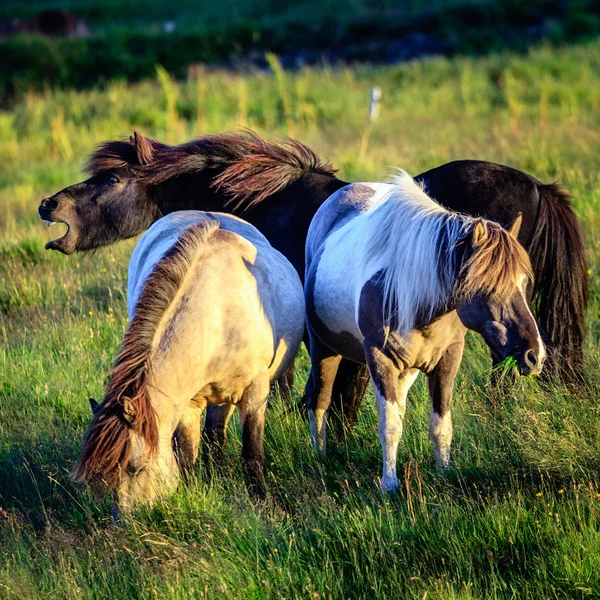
[[391, 416], [541, 353], [398, 231], [440, 433], [318, 429], [338, 283]]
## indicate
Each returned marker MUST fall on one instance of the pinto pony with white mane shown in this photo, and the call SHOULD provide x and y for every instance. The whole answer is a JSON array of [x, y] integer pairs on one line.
[[394, 280], [216, 314]]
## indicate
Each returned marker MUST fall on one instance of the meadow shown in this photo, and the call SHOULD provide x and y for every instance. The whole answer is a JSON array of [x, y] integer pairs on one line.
[[518, 516]]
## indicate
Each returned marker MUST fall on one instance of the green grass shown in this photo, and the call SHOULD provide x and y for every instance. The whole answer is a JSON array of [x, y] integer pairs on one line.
[[518, 516]]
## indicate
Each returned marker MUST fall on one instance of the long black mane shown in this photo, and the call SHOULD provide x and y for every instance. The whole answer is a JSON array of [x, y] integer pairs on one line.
[[244, 166]]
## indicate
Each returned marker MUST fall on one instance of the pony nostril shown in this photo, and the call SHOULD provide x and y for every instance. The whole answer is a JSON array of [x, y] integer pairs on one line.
[[50, 203], [531, 358]]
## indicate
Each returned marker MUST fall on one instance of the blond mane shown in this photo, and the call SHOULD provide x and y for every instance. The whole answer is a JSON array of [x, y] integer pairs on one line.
[[496, 266]]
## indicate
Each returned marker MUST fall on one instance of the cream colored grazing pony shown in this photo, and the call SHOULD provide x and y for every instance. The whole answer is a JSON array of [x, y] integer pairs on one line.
[[216, 314]]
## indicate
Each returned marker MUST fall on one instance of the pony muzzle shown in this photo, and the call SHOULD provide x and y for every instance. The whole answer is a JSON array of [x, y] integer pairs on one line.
[[532, 361], [51, 211]]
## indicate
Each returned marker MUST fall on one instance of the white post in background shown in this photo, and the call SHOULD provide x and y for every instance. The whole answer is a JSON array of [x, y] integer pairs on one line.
[[374, 106]]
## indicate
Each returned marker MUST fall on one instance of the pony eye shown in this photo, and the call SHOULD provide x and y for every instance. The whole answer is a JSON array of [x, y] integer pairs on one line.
[[111, 180]]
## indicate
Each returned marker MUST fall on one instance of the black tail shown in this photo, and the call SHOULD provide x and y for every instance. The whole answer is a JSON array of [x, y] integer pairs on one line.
[[560, 294]]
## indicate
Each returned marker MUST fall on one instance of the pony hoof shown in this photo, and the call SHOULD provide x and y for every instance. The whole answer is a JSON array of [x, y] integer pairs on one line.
[[389, 486]]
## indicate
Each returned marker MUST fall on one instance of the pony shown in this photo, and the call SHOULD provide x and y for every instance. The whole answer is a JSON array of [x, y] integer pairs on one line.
[[216, 314], [279, 187], [393, 281]]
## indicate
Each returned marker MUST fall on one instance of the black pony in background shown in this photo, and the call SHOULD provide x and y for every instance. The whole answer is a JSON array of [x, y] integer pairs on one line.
[[279, 187]]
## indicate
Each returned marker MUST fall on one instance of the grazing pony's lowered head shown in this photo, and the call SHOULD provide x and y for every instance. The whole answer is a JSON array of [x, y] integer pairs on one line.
[[491, 294], [117, 451], [120, 450], [133, 183]]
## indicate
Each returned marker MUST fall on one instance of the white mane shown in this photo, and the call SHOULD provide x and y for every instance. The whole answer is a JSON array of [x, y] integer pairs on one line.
[[413, 239]]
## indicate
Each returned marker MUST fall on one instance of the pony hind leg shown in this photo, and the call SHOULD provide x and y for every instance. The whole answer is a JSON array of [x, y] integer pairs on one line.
[[319, 387], [441, 384], [214, 435], [351, 382], [187, 435], [391, 389], [285, 384], [252, 420]]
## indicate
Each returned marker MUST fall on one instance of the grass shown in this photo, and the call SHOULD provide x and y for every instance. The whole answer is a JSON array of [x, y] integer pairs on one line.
[[518, 516]]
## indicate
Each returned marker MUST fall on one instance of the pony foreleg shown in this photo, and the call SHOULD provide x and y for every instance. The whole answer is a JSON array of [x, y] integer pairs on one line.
[[391, 388], [441, 384], [214, 435], [324, 366], [252, 421], [187, 435]]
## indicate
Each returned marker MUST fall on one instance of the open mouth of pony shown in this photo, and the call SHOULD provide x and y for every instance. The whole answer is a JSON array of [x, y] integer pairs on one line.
[[62, 243]]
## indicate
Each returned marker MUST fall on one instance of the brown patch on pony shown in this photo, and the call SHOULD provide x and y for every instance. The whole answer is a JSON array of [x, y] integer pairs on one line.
[[107, 447], [245, 166], [496, 264]]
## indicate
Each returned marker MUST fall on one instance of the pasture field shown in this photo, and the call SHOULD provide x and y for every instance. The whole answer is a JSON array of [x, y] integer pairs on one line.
[[519, 514]]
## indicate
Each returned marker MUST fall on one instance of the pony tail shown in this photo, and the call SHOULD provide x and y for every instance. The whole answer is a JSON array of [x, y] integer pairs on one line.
[[560, 293]]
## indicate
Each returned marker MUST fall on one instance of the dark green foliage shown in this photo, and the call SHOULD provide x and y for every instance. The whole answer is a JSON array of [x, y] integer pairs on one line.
[[128, 38]]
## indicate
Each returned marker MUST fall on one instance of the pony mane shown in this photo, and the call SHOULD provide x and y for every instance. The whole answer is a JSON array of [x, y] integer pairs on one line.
[[107, 446], [243, 164], [419, 245], [497, 264]]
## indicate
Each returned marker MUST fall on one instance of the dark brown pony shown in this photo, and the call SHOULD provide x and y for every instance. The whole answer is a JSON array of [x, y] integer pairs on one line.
[[279, 187]]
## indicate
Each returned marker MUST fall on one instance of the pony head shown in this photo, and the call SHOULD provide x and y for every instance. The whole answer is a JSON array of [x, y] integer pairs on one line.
[[113, 204], [491, 295], [120, 454], [133, 183]]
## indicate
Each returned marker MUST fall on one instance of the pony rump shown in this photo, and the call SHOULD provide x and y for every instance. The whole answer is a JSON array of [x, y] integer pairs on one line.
[[107, 446], [496, 265]]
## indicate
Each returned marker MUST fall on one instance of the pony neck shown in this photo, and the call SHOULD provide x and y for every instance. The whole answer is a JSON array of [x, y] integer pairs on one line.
[[416, 243], [185, 192]]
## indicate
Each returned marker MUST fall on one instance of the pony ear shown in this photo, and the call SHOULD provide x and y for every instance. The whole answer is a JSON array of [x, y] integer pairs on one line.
[[129, 410], [515, 226], [480, 233], [94, 406], [143, 148]]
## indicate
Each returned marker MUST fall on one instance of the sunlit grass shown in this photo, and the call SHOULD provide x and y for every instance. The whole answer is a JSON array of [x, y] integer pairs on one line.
[[517, 516]]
